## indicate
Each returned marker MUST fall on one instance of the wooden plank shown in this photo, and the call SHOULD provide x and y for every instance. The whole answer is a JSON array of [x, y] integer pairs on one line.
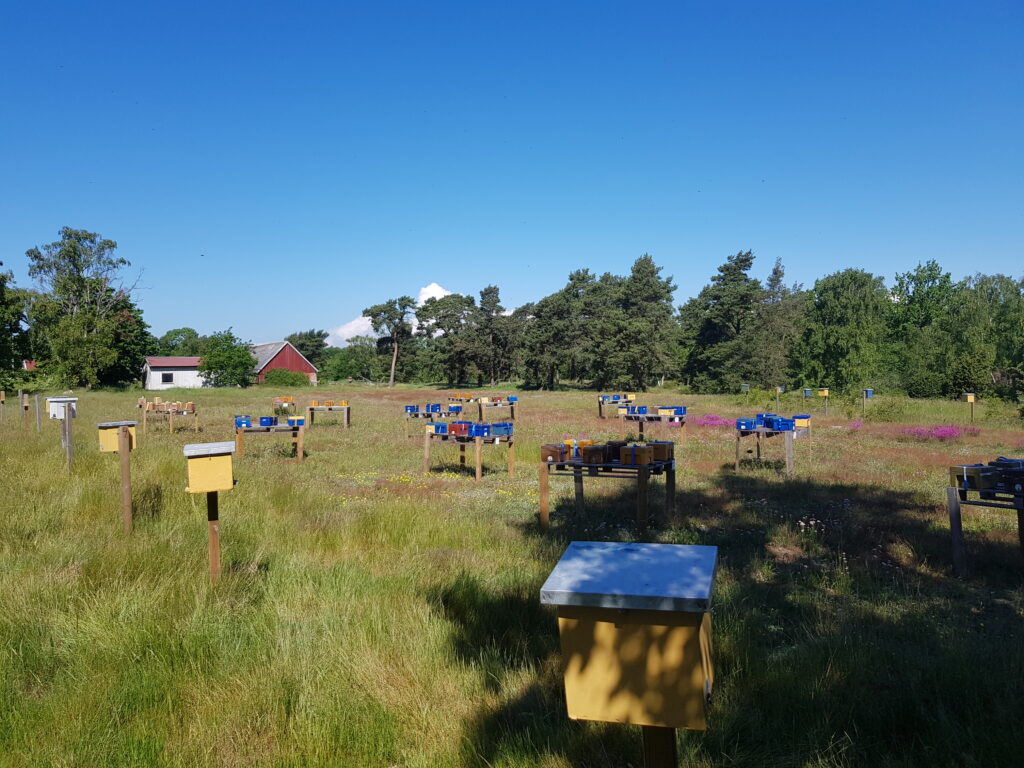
[[511, 458], [542, 474], [956, 530], [239, 441], [577, 481], [213, 527], [124, 450], [478, 443], [426, 452], [659, 747]]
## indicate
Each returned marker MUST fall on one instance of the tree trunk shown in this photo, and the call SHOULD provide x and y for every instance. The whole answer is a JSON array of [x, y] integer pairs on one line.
[[394, 362]]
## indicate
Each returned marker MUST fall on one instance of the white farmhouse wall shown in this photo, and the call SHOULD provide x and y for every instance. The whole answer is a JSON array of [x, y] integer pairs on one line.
[[185, 378]]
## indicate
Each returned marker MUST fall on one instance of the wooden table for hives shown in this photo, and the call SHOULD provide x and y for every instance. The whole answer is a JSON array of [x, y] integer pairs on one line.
[[957, 497], [613, 470], [344, 410], [463, 399], [298, 434], [603, 403], [478, 443], [430, 416], [653, 418], [763, 433], [169, 414], [482, 408]]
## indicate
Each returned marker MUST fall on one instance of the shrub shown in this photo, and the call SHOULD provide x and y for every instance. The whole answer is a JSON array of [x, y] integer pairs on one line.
[[280, 377]]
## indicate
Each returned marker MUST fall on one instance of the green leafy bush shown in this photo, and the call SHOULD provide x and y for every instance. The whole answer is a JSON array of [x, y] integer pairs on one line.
[[280, 377]]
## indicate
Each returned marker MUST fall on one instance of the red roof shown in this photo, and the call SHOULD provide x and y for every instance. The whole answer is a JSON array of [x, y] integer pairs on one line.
[[172, 362]]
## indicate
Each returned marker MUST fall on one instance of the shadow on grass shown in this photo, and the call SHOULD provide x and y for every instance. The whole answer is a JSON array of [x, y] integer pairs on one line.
[[827, 652], [148, 501]]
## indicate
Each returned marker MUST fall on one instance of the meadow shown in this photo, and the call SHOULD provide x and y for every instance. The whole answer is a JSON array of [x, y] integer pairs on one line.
[[371, 615]]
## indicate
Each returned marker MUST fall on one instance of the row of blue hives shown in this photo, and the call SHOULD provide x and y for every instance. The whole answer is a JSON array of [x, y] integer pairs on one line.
[[434, 408], [653, 410], [624, 397], [470, 429], [774, 422], [269, 421]]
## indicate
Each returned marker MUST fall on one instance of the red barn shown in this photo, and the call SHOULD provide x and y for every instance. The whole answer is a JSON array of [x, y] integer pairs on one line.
[[281, 354]]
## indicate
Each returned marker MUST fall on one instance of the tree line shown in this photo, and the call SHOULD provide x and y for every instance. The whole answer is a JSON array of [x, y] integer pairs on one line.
[[923, 334]]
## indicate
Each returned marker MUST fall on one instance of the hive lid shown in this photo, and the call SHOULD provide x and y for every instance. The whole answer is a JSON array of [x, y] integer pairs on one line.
[[111, 424], [651, 577], [209, 449], [62, 399]]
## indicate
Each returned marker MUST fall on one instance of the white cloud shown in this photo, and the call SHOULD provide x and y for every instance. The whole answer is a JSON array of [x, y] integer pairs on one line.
[[432, 291], [361, 326]]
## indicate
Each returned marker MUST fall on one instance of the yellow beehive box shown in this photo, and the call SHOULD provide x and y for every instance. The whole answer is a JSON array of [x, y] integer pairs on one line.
[[342, 403], [666, 412], [108, 435], [636, 454], [484, 399], [314, 403], [622, 410], [801, 422], [209, 467], [635, 631], [630, 396], [968, 397], [158, 400], [662, 450], [823, 392], [328, 403]]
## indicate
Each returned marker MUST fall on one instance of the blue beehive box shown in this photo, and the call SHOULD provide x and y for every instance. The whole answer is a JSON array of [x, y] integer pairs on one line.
[[440, 428], [869, 394], [296, 421], [479, 430], [243, 421], [747, 425], [513, 398], [636, 410], [454, 409], [677, 410], [807, 393], [412, 409], [433, 407], [783, 424], [501, 428], [268, 421], [616, 397]]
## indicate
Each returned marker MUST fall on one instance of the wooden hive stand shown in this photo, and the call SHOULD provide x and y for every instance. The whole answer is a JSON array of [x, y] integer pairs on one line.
[[478, 443]]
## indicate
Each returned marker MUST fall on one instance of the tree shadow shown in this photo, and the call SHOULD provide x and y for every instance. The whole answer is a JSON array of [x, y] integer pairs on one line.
[[148, 501], [830, 650]]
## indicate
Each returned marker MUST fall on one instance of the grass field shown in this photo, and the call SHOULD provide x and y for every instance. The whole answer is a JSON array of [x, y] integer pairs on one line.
[[370, 615]]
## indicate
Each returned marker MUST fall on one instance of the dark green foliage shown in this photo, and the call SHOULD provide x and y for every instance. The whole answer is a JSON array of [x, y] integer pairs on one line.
[[717, 353], [180, 342], [391, 321], [13, 334], [312, 345], [226, 361], [358, 360]]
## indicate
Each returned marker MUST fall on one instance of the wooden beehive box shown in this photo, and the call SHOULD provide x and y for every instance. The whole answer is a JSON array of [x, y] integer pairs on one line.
[[108, 435], [968, 397], [55, 406], [209, 467], [635, 631], [823, 392]]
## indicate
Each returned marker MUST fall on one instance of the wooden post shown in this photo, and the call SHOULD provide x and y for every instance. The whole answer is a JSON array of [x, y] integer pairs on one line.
[[69, 448], [641, 496], [511, 457], [670, 492], [972, 411], [145, 412], [512, 411], [542, 475], [864, 405], [24, 410], [600, 408], [300, 443], [479, 444], [309, 416], [39, 421], [213, 523], [577, 482], [826, 405], [758, 436], [239, 441], [426, 452], [659, 747], [479, 411], [789, 453], [776, 398], [195, 420], [641, 425], [348, 416], [956, 531], [737, 450], [124, 450], [462, 454]]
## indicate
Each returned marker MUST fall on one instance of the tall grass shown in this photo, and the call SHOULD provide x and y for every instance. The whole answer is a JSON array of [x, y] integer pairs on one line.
[[370, 615]]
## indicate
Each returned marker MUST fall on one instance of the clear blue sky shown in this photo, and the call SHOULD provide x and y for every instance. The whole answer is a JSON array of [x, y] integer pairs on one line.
[[276, 166]]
